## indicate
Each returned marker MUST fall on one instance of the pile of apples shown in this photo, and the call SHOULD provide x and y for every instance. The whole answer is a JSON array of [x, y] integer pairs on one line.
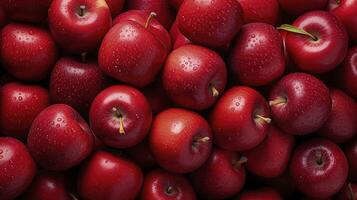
[[178, 99]]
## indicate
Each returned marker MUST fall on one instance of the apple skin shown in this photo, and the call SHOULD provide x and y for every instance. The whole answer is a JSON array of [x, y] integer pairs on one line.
[[306, 103], [266, 11], [341, 126], [216, 23], [351, 154], [234, 119], [348, 192], [258, 46], [271, 157], [324, 54], [318, 168], [48, 185], [132, 64], [108, 176], [176, 140], [345, 11], [19, 105], [33, 11], [260, 194], [298, 7], [157, 97], [142, 155], [76, 83], [115, 6], [27, 52], [347, 73], [17, 167], [75, 33], [3, 17], [176, 3], [177, 37], [135, 111], [159, 184], [189, 73], [165, 15], [222, 176], [59, 138]]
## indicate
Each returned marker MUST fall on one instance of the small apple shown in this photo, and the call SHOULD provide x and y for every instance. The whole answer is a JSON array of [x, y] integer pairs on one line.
[[157, 97]]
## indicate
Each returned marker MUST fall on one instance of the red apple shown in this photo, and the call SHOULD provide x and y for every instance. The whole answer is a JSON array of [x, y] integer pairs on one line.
[[300, 103], [266, 11], [211, 23], [3, 17], [347, 73], [298, 7], [125, 57], [115, 6], [351, 154], [16, 166], [120, 116], [240, 119], [341, 125], [270, 158], [142, 155], [319, 168], [257, 57], [321, 43], [27, 52], [161, 7], [19, 105], [157, 97], [222, 176], [26, 10], [180, 140], [175, 3], [283, 184], [76, 83], [348, 192], [159, 184], [177, 37], [79, 25], [107, 176], [260, 194], [345, 11], [194, 77], [59, 138]]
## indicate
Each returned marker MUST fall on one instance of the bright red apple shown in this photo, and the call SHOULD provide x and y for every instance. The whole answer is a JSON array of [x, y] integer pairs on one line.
[[347, 73], [260, 194], [266, 11], [351, 154], [27, 52], [180, 140], [79, 25], [240, 119], [26, 10], [59, 138], [298, 7]]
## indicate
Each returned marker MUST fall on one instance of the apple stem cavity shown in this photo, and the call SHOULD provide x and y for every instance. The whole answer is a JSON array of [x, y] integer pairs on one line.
[[82, 9], [121, 121], [149, 19], [215, 92], [170, 191], [277, 101], [264, 119], [240, 162], [294, 29], [318, 155]]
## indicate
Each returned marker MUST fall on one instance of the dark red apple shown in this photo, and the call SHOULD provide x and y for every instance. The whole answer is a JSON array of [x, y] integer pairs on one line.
[[348, 192], [142, 155], [318, 168], [300, 103], [3, 17], [271, 157], [257, 57], [341, 125], [175, 3], [180, 140], [351, 154], [266, 11], [48, 185], [79, 25], [211, 23], [59, 138], [76, 82], [165, 14], [240, 119], [26, 10], [345, 11], [320, 44], [115, 6], [347, 73], [194, 76], [260, 194], [107, 176], [157, 97], [124, 56], [19, 105], [222, 176], [177, 37], [298, 7], [16, 166], [159, 184], [27, 52], [120, 116]]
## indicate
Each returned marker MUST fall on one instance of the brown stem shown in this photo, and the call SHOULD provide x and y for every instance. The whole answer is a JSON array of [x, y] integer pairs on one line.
[[215, 92], [277, 101], [149, 19], [318, 156], [338, 2], [240, 162], [82, 9], [171, 191], [121, 121], [202, 140], [264, 119], [351, 193]]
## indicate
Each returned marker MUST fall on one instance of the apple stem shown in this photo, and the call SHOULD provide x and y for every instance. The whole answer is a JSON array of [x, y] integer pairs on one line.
[[352, 195], [240, 162], [215, 92], [265, 119], [170, 190], [277, 101], [84, 57], [338, 2], [121, 121], [294, 29], [203, 140], [318, 155], [81, 10], [149, 19]]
